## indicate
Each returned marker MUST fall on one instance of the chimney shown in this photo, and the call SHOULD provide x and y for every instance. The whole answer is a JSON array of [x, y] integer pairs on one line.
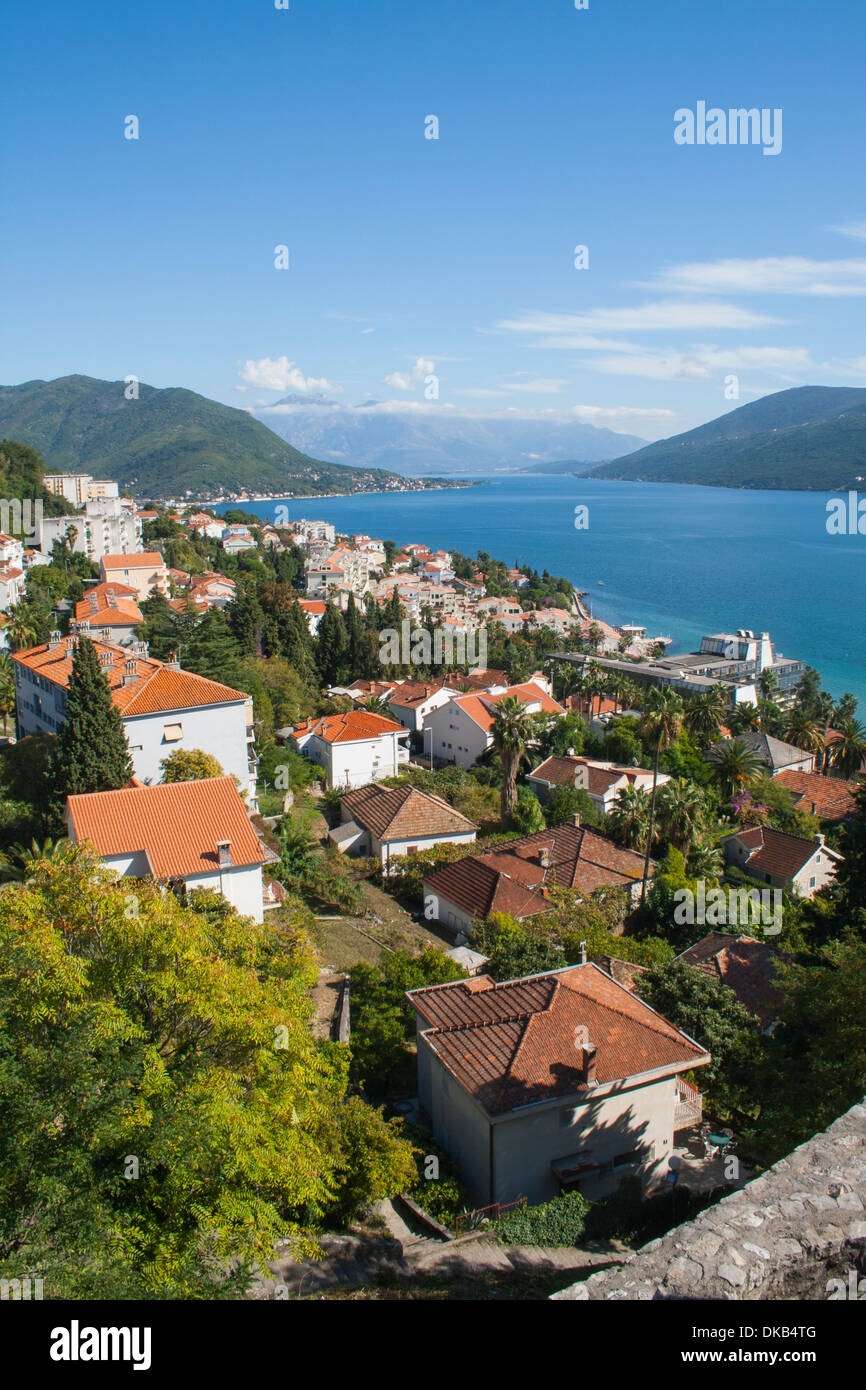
[[130, 672], [575, 820], [589, 1059], [581, 958], [819, 839], [106, 661], [53, 639], [224, 853], [544, 856]]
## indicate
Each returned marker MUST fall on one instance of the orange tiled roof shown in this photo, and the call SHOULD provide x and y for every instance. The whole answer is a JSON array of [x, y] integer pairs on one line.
[[176, 824], [355, 724], [404, 813], [158, 688], [745, 965], [518, 1043], [828, 798], [512, 878], [138, 560]]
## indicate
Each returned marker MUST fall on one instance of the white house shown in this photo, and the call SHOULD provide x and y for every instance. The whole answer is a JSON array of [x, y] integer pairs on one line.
[[602, 781], [197, 832], [460, 731], [162, 707], [354, 748], [552, 1083], [783, 861], [384, 822]]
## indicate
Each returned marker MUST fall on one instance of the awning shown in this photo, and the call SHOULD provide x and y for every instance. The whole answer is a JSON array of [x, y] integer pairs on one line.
[[573, 1165]]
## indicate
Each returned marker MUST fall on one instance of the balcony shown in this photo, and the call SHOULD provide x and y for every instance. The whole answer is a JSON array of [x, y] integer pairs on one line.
[[688, 1106]]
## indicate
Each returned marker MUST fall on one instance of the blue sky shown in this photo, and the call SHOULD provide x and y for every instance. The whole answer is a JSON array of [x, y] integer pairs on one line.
[[409, 256]]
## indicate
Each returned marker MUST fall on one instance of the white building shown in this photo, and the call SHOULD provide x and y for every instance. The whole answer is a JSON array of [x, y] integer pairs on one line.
[[461, 730], [195, 832], [385, 822], [354, 748], [105, 527], [553, 1083], [788, 862], [602, 781], [163, 708]]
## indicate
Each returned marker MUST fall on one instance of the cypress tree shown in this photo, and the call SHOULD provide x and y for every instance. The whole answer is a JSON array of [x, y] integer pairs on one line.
[[333, 646], [91, 753]]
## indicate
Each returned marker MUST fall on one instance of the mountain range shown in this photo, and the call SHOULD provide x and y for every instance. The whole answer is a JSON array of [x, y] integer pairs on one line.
[[166, 442], [419, 442], [809, 437]]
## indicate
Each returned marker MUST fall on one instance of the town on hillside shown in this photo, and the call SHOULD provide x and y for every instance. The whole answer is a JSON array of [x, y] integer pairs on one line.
[[470, 931]]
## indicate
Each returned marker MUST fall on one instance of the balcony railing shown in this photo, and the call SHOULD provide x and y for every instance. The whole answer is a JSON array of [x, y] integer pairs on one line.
[[689, 1106]]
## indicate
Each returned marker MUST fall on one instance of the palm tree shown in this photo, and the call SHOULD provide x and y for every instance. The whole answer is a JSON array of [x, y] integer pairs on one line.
[[705, 713], [682, 812], [805, 732], [17, 863], [849, 750], [510, 731], [744, 719], [376, 705], [20, 631], [628, 818], [662, 724], [768, 683], [736, 765], [705, 860]]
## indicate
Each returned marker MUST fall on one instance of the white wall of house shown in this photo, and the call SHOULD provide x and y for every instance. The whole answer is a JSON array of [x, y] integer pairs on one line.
[[447, 912], [220, 730], [356, 762], [242, 887], [609, 1123], [413, 719], [455, 736]]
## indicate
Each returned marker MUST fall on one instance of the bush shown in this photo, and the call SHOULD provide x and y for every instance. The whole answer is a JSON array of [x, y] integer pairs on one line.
[[558, 1222]]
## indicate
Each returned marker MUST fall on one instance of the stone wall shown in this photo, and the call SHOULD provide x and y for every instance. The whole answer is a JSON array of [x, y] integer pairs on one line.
[[782, 1236]]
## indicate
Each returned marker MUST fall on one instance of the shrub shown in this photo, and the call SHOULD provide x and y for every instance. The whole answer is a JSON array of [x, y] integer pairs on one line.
[[558, 1222]]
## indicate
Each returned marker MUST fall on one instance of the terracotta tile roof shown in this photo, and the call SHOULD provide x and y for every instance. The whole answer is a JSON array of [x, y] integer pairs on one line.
[[176, 824], [828, 798], [312, 605], [157, 688], [144, 559], [512, 878], [523, 1042], [412, 693], [775, 852], [481, 707], [747, 966], [355, 724], [404, 813], [108, 604], [561, 771]]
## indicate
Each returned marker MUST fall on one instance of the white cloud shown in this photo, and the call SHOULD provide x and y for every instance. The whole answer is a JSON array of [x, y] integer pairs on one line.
[[855, 230], [409, 381], [703, 363], [769, 275], [279, 374], [666, 316], [545, 386]]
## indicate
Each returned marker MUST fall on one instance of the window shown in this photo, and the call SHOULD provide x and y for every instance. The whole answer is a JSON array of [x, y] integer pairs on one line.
[[633, 1158], [172, 733]]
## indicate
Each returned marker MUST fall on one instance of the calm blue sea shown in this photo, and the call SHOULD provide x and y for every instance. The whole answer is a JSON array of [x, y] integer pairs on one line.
[[683, 560]]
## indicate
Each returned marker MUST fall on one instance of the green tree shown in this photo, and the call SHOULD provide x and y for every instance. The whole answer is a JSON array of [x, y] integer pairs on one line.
[[510, 732], [709, 1012], [736, 765], [663, 720], [564, 803], [527, 816], [332, 647], [628, 818], [91, 753], [189, 765], [133, 1028]]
